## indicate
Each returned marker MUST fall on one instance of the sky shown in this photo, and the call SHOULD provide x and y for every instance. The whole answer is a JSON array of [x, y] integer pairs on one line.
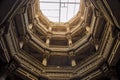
[[59, 10]]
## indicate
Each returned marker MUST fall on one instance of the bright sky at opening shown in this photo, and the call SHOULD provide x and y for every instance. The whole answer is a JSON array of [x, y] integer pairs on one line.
[[59, 10]]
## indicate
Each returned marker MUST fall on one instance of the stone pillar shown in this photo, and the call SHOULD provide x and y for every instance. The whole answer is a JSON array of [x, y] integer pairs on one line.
[[96, 46], [44, 62], [67, 27], [69, 42], [48, 41], [48, 38], [88, 29], [72, 57], [73, 62], [21, 44], [30, 26]]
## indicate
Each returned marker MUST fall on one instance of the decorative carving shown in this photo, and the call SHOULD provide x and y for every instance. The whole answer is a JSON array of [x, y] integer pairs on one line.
[[26, 38], [13, 65], [31, 65], [22, 10]]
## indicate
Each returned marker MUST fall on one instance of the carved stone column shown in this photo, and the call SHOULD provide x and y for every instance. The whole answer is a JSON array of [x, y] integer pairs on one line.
[[48, 41], [96, 46], [72, 57], [30, 26], [73, 62], [45, 57], [21, 44], [44, 62], [88, 29], [48, 38], [69, 40], [67, 28]]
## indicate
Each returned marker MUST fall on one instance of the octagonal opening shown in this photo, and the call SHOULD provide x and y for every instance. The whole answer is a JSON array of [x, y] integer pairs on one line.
[[59, 10]]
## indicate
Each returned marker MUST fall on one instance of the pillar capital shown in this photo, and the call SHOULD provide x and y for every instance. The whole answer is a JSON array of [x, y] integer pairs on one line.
[[71, 54], [68, 36]]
